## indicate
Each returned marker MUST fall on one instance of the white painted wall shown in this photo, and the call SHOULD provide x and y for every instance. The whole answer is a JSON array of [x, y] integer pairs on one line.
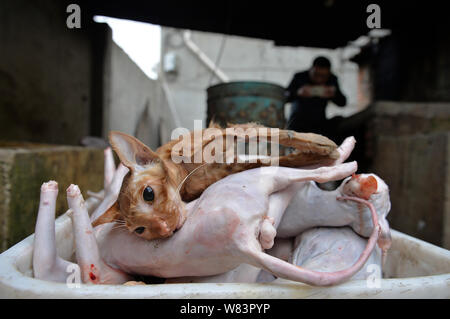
[[134, 103], [128, 93], [244, 59]]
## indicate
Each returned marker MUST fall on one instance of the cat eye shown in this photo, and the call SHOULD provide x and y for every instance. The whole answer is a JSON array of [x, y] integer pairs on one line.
[[148, 195], [139, 230]]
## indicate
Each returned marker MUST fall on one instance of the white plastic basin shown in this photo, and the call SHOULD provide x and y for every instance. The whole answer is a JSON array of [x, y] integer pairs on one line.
[[414, 269]]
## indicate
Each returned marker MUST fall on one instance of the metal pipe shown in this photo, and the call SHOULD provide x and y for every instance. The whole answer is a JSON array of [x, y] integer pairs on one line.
[[203, 57]]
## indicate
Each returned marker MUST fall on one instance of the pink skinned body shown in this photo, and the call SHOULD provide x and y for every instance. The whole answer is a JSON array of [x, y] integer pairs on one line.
[[231, 224]]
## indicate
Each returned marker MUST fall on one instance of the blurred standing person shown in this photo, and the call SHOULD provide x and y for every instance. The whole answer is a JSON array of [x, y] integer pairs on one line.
[[309, 91]]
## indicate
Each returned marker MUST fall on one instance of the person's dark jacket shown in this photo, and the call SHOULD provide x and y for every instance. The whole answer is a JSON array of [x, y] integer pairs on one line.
[[308, 114]]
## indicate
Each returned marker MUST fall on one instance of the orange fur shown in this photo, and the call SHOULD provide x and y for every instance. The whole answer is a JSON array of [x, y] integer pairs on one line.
[[166, 212], [111, 215]]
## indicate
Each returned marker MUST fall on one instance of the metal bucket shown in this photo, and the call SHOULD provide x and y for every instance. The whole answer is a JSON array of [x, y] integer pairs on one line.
[[242, 102]]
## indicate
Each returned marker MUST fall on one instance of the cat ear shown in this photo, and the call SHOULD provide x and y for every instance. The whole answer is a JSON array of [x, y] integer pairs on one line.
[[132, 152], [111, 215]]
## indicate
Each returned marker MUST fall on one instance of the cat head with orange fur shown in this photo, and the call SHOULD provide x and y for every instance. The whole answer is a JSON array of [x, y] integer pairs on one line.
[[148, 203]]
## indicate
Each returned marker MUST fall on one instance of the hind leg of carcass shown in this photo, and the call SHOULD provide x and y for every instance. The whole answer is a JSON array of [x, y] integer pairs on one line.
[[47, 265], [93, 269], [323, 174], [109, 170], [109, 167], [272, 179], [111, 192], [278, 202]]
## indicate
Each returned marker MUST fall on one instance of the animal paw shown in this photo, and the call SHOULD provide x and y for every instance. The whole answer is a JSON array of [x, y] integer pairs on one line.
[[267, 233]]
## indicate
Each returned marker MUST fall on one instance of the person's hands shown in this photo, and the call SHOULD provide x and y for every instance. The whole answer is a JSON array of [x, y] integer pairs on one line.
[[329, 92], [326, 92], [304, 91]]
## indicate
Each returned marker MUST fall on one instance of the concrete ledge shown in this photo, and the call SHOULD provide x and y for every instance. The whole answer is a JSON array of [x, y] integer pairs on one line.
[[24, 167]]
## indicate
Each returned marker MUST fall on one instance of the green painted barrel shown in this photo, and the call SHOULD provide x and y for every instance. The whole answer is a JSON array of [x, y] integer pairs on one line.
[[242, 102]]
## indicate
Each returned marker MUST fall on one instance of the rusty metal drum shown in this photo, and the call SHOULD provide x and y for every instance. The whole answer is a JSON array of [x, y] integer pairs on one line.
[[246, 101]]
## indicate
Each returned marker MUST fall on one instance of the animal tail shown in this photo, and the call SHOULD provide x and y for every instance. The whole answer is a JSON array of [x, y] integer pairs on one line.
[[283, 269], [385, 240]]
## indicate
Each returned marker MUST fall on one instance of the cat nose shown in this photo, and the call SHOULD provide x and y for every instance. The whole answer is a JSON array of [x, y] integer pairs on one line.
[[156, 229], [161, 228]]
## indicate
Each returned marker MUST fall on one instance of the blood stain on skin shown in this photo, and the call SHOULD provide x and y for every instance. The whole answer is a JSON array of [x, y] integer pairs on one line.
[[368, 187], [91, 274]]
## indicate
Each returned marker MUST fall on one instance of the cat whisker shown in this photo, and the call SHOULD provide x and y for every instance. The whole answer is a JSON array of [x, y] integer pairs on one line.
[[120, 222], [193, 171], [119, 227]]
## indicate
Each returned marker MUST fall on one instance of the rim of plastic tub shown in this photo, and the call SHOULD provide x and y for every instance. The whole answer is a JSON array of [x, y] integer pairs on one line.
[[15, 284]]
